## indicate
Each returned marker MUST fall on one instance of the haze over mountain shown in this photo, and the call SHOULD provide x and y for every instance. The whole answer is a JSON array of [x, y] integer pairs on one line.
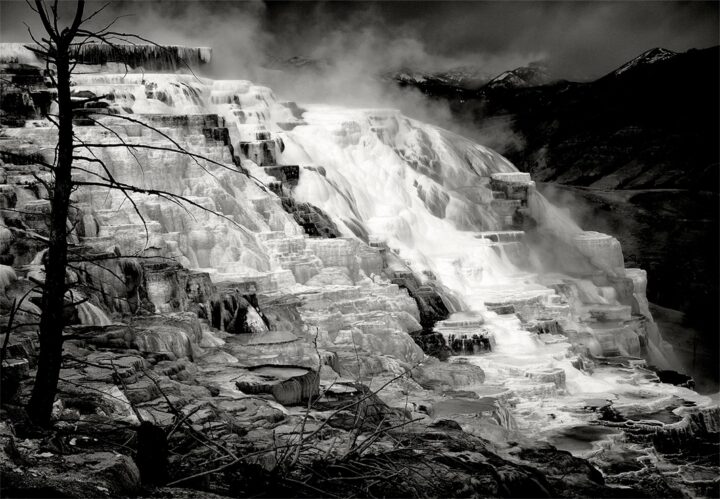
[[635, 153]]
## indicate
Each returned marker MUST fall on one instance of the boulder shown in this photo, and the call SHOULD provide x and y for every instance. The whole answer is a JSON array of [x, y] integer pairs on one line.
[[247, 320], [176, 334], [119, 472], [436, 375], [13, 372], [164, 339], [95, 398], [288, 385]]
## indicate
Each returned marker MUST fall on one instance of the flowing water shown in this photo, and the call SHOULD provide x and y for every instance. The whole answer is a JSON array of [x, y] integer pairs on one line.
[[422, 190], [92, 315], [443, 207]]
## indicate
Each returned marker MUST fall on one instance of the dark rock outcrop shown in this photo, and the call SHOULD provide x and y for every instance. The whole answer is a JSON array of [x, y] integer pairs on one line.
[[429, 301], [312, 219], [432, 343]]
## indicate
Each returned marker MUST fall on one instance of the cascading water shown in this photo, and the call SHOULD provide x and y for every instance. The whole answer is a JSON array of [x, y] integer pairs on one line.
[[434, 203], [424, 191], [370, 180], [92, 315]]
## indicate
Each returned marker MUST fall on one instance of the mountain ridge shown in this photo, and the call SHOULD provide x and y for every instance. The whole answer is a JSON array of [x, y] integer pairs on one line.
[[651, 56]]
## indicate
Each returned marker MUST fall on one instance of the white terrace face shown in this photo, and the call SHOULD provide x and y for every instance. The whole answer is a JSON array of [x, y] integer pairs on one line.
[[409, 202]]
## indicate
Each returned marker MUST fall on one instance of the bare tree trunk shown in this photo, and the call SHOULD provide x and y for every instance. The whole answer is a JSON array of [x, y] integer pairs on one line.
[[52, 320], [60, 48]]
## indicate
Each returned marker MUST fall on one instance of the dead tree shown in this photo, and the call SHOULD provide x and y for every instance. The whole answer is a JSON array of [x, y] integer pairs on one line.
[[60, 48], [52, 320]]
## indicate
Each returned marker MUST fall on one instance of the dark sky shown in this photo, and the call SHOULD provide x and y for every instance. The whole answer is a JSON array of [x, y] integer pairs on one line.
[[577, 39]]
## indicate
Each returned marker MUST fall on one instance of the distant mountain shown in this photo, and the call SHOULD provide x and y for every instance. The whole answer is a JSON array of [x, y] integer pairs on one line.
[[298, 63], [464, 81], [651, 123], [462, 77], [452, 82], [651, 56], [532, 75]]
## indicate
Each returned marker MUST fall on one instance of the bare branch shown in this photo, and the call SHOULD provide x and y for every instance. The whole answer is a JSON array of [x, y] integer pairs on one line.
[[45, 53], [77, 21], [117, 135], [125, 389], [34, 9], [8, 328], [28, 233], [110, 177], [162, 194], [88, 18], [116, 276], [54, 35], [171, 140], [104, 36], [55, 15], [193, 432]]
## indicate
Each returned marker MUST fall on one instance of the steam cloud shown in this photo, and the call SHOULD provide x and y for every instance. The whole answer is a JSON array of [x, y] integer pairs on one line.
[[355, 43]]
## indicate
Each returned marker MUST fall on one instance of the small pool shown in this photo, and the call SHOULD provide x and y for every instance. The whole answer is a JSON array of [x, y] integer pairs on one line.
[[579, 439]]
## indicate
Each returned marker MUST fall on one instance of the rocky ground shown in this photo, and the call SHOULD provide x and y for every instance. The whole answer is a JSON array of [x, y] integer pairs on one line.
[[130, 419], [168, 406]]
